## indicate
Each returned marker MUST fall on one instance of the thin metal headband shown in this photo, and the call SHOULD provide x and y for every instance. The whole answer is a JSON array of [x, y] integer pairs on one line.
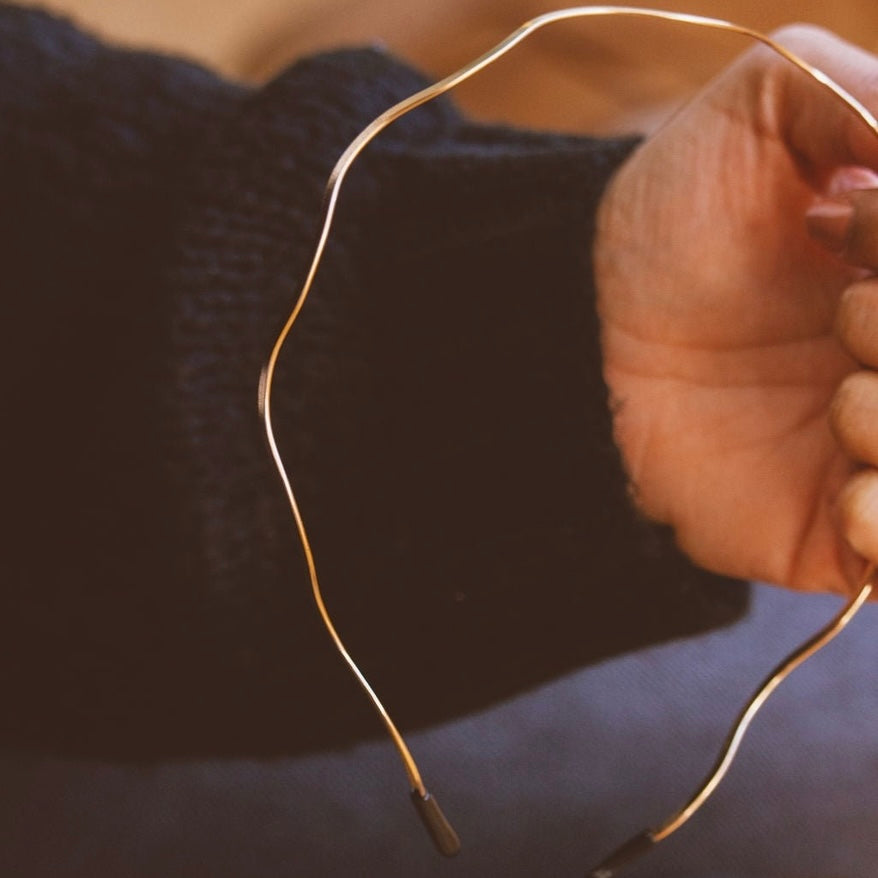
[[438, 826]]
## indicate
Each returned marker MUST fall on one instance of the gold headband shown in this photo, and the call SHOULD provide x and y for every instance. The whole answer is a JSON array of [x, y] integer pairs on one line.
[[440, 829]]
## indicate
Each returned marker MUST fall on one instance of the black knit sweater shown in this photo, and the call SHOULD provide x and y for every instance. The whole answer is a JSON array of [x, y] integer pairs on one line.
[[440, 406]]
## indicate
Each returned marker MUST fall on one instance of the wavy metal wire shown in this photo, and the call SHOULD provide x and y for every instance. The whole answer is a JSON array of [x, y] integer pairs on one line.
[[441, 831]]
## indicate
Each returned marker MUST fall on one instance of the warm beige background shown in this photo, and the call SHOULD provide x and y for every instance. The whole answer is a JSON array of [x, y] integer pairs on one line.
[[595, 75]]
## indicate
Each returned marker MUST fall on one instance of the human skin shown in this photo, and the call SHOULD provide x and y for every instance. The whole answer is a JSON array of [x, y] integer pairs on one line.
[[744, 394]]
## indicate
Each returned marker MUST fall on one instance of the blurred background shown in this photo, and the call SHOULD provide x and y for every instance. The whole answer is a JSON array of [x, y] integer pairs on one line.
[[548, 783], [589, 76]]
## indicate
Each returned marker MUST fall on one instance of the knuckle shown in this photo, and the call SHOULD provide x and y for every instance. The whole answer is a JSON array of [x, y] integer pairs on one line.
[[853, 415], [856, 321], [858, 508]]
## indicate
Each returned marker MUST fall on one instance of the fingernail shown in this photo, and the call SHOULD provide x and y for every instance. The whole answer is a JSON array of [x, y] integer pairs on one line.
[[829, 222], [851, 179]]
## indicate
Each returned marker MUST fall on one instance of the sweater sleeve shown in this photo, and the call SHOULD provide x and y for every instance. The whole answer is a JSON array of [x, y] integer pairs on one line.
[[440, 406]]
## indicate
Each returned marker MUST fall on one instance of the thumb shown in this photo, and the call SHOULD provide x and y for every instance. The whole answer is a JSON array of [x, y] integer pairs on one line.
[[848, 225], [819, 128]]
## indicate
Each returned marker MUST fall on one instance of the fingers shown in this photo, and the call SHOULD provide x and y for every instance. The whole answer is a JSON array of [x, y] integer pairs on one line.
[[849, 227], [854, 410], [858, 511], [857, 321], [854, 414], [853, 417]]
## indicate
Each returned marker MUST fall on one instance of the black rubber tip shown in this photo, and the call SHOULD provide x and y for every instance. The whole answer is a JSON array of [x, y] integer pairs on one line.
[[631, 850], [441, 831]]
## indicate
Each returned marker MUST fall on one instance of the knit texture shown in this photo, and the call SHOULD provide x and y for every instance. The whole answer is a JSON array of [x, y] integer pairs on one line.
[[440, 406]]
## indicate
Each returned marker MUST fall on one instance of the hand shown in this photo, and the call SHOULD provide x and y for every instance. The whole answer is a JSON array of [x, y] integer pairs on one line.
[[719, 311]]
